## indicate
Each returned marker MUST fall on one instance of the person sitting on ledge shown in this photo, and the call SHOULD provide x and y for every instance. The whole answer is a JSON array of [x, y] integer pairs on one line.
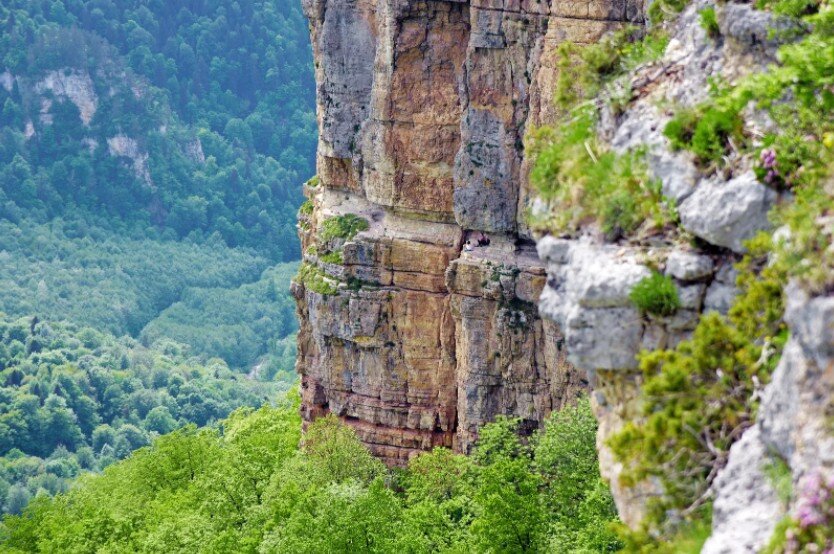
[[475, 240]]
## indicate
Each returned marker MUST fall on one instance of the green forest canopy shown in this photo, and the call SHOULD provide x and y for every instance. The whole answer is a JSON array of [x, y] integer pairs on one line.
[[156, 202], [73, 399], [218, 95], [250, 487]]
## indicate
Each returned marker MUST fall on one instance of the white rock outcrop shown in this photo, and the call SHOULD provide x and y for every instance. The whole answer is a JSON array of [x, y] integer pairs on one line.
[[124, 146], [75, 85], [727, 213]]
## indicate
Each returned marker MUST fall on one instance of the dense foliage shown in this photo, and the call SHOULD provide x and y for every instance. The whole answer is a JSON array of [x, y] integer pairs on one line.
[[151, 157], [250, 488], [238, 325], [73, 399], [217, 100], [105, 280], [154, 289]]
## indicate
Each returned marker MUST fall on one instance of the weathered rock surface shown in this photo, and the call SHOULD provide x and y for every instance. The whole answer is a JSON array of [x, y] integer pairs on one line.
[[75, 85], [423, 107], [728, 213], [687, 266], [589, 281], [126, 147], [422, 111], [752, 28], [747, 507]]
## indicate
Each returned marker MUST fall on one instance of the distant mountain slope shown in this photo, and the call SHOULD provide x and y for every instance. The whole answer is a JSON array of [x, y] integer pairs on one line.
[[157, 118]]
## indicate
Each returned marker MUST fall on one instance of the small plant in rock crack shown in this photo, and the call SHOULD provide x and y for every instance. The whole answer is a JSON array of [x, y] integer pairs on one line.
[[709, 22], [656, 295]]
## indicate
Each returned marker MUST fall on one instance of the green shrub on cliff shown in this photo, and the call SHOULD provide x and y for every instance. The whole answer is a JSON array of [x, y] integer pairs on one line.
[[342, 227], [583, 69], [306, 208], [656, 295], [709, 22], [699, 397]]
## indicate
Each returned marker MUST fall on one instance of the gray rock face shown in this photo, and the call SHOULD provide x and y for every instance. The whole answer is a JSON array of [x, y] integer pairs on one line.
[[587, 295], [728, 213], [746, 508], [753, 28], [344, 74], [75, 85], [643, 127], [722, 292], [692, 296], [720, 298], [485, 198], [688, 266], [795, 406]]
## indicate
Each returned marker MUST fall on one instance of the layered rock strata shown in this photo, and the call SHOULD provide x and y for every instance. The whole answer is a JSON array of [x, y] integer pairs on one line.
[[417, 339], [416, 332]]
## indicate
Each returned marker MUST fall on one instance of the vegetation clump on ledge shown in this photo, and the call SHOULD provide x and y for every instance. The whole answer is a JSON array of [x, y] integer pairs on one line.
[[306, 208], [342, 227], [584, 181], [709, 132], [573, 170], [656, 295], [316, 280]]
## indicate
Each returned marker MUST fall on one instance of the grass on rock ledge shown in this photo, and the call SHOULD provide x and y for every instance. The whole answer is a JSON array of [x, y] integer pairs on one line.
[[574, 172], [316, 280], [656, 295], [342, 227]]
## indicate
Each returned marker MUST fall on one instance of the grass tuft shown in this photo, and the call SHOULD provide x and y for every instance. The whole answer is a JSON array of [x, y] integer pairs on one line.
[[656, 295]]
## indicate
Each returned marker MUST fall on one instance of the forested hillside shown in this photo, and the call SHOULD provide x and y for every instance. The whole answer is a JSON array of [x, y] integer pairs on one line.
[[158, 118], [151, 161], [250, 488], [74, 399]]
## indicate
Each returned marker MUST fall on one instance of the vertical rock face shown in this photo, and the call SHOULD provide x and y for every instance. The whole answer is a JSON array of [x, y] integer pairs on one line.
[[421, 335]]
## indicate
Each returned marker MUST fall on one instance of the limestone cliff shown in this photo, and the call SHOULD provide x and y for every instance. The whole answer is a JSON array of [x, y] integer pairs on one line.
[[422, 111], [590, 279], [426, 306]]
